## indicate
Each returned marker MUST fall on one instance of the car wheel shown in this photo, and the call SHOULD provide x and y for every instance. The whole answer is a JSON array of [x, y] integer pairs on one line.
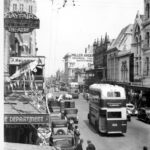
[[147, 120]]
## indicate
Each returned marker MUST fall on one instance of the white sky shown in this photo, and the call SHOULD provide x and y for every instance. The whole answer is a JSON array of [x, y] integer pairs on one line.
[[71, 29]]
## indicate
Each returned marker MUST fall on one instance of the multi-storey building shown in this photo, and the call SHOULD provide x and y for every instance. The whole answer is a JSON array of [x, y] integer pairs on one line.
[[74, 62], [137, 40], [97, 72], [119, 57], [146, 44], [20, 50]]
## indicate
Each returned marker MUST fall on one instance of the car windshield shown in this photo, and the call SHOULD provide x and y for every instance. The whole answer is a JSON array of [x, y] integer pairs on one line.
[[148, 111], [130, 106], [54, 103], [66, 142]]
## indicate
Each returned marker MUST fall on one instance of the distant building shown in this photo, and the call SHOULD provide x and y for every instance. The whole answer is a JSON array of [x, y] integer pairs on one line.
[[74, 62]]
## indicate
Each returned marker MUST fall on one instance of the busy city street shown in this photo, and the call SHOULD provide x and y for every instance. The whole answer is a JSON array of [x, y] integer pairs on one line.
[[76, 75], [137, 135]]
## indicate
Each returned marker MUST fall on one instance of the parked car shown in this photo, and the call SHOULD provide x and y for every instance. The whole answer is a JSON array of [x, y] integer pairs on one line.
[[144, 114], [131, 109], [74, 93], [86, 95]]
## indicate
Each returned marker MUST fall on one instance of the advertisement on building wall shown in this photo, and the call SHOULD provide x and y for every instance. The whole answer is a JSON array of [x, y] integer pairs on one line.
[[80, 60], [20, 22]]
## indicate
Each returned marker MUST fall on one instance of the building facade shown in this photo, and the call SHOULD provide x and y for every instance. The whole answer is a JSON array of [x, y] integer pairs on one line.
[[146, 44], [73, 62], [23, 69], [118, 57]]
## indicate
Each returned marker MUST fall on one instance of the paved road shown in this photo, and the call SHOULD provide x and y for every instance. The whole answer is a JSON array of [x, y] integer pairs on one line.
[[137, 136]]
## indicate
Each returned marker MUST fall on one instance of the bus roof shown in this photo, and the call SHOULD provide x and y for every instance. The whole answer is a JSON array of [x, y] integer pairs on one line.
[[104, 89]]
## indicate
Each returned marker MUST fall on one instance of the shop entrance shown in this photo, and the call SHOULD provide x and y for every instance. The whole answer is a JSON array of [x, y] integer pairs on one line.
[[23, 133]]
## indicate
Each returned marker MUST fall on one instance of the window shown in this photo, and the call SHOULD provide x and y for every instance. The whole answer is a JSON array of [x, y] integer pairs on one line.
[[114, 115], [21, 7], [30, 9], [147, 66], [147, 38], [113, 94], [137, 68], [147, 10], [14, 7]]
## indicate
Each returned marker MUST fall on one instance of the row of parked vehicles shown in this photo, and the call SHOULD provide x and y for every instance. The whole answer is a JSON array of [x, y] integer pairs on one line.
[[63, 113]]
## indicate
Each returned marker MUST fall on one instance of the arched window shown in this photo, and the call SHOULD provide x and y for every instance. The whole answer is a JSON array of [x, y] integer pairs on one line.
[[136, 45]]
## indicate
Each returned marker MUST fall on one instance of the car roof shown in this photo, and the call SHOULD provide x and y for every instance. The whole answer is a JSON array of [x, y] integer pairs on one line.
[[129, 104]]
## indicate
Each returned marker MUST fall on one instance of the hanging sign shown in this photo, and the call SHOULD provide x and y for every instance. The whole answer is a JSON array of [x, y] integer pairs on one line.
[[20, 22]]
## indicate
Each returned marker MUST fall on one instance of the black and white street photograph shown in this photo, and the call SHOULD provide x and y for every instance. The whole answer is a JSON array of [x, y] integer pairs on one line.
[[76, 75]]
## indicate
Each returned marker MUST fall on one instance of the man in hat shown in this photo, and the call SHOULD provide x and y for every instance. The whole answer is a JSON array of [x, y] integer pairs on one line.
[[90, 146], [79, 145]]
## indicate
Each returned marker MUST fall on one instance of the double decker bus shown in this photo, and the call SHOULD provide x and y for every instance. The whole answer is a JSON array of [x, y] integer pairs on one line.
[[107, 108]]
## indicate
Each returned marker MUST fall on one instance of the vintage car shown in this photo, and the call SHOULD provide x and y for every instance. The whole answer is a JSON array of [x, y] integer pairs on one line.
[[71, 114], [66, 104], [86, 95], [144, 114], [131, 109], [60, 136], [65, 96], [54, 106], [64, 142], [74, 93]]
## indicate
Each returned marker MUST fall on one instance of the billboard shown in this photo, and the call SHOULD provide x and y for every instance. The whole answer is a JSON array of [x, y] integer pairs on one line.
[[20, 22]]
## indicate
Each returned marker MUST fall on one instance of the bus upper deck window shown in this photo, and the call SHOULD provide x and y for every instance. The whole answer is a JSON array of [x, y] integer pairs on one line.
[[117, 94], [113, 94]]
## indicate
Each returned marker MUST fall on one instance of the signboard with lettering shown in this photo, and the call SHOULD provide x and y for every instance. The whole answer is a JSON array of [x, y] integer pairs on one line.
[[83, 57], [22, 60], [20, 22], [26, 118]]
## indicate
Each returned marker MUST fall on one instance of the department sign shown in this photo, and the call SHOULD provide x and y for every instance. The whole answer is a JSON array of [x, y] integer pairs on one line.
[[26, 118], [20, 22]]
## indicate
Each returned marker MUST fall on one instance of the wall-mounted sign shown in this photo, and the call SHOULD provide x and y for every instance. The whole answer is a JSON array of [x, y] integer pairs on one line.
[[20, 22], [23, 60], [26, 118]]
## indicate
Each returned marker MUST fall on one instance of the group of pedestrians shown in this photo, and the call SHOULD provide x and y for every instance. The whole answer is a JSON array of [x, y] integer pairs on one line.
[[90, 145], [79, 142]]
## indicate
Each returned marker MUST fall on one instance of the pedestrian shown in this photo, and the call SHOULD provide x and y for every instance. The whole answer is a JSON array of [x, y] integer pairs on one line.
[[90, 146], [79, 145], [76, 135], [145, 148]]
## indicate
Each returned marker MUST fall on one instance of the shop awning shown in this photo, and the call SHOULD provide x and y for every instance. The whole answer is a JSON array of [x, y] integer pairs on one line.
[[31, 66]]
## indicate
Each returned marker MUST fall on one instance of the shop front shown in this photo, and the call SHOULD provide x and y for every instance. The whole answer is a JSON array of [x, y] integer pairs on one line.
[[23, 128]]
